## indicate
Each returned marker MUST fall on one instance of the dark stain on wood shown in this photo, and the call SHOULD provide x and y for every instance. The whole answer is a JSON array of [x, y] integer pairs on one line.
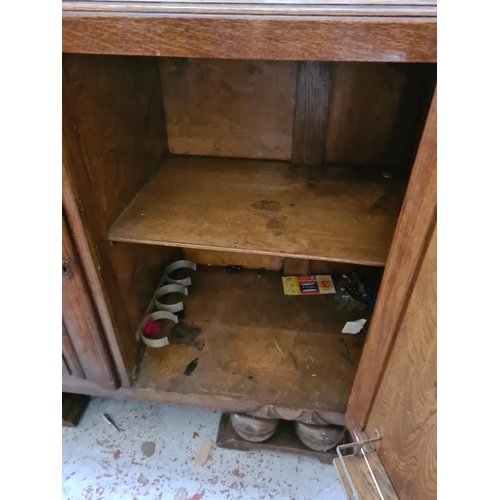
[[276, 225], [269, 209], [184, 334], [267, 206]]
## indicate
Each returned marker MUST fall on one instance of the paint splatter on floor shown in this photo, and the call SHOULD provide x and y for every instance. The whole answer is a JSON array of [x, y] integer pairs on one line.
[[153, 459]]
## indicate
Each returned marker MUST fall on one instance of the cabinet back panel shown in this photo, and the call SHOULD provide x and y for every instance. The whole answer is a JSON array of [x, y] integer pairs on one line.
[[377, 112], [363, 107], [245, 109], [241, 109]]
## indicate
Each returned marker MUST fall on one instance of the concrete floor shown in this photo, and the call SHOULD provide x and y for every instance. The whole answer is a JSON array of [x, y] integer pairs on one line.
[[100, 463]]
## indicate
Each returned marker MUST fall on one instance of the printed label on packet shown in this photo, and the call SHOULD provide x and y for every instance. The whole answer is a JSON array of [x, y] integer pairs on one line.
[[308, 285]]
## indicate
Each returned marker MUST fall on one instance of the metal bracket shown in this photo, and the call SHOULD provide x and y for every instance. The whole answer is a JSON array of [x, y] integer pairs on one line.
[[66, 270], [358, 449]]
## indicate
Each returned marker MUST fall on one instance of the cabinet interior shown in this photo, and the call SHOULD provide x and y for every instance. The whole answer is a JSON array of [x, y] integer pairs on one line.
[[232, 162]]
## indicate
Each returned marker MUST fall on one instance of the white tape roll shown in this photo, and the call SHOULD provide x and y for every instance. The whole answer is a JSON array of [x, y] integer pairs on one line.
[[164, 290], [155, 316], [180, 264]]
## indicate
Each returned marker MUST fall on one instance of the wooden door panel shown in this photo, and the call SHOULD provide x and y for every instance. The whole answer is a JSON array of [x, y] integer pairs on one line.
[[395, 386], [405, 408], [84, 352], [70, 359], [415, 224]]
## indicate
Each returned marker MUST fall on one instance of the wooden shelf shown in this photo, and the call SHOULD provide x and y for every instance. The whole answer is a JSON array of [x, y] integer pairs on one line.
[[345, 214], [256, 345]]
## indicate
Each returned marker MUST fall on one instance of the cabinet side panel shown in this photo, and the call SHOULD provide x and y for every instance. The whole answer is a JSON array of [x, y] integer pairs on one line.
[[113, 141]]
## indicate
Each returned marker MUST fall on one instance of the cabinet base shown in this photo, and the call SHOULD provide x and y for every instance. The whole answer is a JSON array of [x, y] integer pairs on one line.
[[73, 406], [284, 440]]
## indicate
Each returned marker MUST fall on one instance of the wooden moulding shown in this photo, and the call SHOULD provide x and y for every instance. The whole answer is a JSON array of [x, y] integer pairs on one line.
[[325, 213], [71, 365], [81, 326], [314, 38], [395, 8]]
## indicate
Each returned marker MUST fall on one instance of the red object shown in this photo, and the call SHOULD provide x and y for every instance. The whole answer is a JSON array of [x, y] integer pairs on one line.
[[151, 327]]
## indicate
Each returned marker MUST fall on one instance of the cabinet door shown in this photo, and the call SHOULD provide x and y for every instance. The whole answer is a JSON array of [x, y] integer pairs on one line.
[[395, 386], [405, 406], [85, 355]]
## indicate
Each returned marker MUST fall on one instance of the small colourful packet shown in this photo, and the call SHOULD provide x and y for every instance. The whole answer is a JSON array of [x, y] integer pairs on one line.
[[308, 285]]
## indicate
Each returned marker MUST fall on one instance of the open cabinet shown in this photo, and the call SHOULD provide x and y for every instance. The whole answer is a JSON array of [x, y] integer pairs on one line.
[[299, 159]]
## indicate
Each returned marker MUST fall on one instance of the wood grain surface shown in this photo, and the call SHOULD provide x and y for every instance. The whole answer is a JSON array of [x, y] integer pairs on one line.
[[309, 130], [364, 105], [295, 267], [86, 253], [252, 37], [241, 109], [417, 220], [255, 343], [414, 103], [251, 206], [71, 365], [405, 408], [81, 323], [113, 141], [311, 111], [377, 113]]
